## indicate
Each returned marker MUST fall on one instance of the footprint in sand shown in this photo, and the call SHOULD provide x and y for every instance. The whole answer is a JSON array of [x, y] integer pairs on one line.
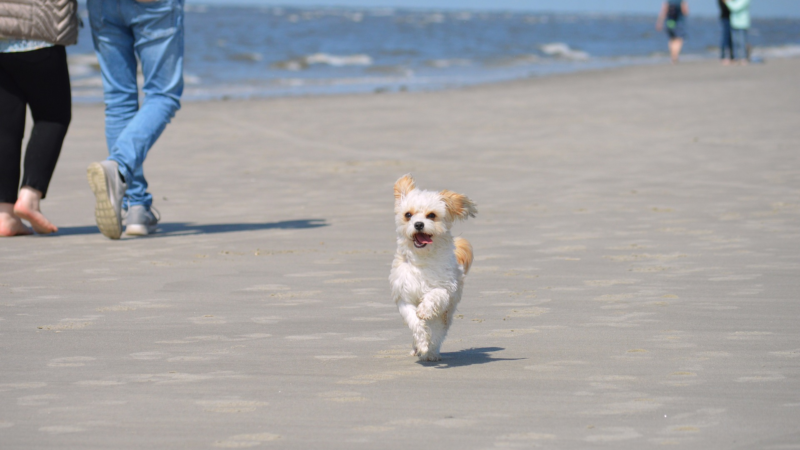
[[343, 396], [98, 383], [70, 361], [247, 440], [613, 434], [61, 429], [266, 320], [208, 319], [146, 356], [230, 406], [335, 357], [37, 400]]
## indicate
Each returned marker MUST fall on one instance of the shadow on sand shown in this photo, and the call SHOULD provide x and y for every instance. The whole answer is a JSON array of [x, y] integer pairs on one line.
[[166, 229], [467, 357]]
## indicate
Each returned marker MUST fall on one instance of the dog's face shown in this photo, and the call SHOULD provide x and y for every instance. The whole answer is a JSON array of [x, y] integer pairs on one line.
[[424, 216]]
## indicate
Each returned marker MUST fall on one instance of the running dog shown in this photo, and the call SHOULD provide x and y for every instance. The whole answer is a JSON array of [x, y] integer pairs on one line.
[[428, 272]]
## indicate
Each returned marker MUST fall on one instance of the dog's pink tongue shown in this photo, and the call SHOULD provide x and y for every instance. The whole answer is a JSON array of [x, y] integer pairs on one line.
[[424, 238]]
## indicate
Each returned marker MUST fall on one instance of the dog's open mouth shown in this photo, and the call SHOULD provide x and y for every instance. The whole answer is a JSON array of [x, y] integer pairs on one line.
[[422, 239]]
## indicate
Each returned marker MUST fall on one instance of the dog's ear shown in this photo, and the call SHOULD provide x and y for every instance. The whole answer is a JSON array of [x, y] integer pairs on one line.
[[403, 186], [458, 205]]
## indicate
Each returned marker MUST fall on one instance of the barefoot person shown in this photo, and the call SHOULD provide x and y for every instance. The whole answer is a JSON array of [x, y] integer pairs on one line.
[[726, 41], [673, 18], [740, 23], [123, 32], [33, 73]]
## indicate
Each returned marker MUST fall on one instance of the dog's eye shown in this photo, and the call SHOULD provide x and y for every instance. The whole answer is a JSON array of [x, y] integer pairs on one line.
[[408, 215], [431, 216]]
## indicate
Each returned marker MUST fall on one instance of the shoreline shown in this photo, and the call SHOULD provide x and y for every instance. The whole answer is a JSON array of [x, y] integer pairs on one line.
[[383, 90]]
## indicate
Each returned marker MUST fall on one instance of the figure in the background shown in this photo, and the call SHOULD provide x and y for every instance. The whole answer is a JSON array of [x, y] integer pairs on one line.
[[726, 41], [740, 22], [673, 18]]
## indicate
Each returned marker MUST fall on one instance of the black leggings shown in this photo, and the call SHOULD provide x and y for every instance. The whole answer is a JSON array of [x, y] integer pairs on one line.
[[39, 79]]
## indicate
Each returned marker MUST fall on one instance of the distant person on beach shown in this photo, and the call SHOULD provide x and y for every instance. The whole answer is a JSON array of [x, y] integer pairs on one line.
[[726, 41], [123, 32], [673, 18], [740, 23], [34, 74]]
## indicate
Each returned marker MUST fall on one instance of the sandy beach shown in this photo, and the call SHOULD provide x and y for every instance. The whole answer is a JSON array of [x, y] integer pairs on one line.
[[636, 278]]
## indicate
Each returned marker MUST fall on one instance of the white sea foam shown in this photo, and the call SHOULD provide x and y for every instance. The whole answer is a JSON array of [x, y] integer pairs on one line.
[[333, 60], [323, 58], [562, 50], [511, 61], [246, 56], [356, 17], [391, 70], [435, 18], [445, 63], [783, 51]]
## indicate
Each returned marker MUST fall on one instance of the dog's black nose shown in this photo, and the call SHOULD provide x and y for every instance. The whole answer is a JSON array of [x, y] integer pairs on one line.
[[419, 226]]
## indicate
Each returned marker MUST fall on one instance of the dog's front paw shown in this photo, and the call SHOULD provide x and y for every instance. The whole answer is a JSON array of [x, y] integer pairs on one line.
[[430, 357], [425, 311]]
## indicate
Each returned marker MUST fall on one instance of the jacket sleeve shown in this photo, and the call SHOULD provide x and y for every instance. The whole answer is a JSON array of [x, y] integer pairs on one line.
[[737, 5]]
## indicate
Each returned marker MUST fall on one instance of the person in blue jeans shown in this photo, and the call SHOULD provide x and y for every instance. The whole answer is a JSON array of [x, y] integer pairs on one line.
[[740, 23], [122, 32], [726, 41]]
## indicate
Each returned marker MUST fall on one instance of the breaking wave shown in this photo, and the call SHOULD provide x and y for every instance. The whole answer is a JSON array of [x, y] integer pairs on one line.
[[562, 50], [305, 62], [779, 52]]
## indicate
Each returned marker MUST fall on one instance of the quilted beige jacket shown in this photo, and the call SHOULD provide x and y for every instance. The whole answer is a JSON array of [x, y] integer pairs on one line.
[[54, 21]]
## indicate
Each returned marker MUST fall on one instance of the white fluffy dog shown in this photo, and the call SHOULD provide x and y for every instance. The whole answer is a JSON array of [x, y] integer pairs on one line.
[[429, 267]]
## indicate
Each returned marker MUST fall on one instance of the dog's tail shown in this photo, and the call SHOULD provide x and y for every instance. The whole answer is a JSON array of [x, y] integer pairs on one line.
[[463, 253]]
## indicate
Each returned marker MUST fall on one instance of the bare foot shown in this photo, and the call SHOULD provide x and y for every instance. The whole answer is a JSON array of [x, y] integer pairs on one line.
[[27, 207], [10, 225]]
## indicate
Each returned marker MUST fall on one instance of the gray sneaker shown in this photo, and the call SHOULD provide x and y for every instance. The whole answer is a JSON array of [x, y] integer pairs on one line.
[[141, 221], [108, 188]]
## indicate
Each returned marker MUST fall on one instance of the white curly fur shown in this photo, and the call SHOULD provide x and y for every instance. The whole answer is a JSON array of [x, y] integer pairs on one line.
[[427, 281]]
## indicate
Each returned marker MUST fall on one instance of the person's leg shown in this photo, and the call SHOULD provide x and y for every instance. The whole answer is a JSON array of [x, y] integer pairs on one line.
[[738, 44], [675, 46], [45, 82], [12, 127], [158, 33], [114, 45], [726, 44], [746, 47], [113, 42]]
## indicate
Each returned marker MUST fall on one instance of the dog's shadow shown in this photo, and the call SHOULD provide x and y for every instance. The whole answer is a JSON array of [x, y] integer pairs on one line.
[[467, 357]]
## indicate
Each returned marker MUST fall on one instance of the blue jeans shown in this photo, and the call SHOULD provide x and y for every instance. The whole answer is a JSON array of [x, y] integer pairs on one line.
[[739, 43], [152, 32], [726, 43]]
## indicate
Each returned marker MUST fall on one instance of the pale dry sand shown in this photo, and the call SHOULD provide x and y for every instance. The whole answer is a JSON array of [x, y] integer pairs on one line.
[[636, 281]]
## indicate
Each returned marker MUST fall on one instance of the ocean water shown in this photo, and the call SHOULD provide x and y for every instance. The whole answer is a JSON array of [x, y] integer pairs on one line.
[[242, 52]]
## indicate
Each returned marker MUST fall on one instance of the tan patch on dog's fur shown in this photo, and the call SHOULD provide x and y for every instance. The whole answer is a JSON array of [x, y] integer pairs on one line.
[[458, 206], [403, 186], [463, 253]]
